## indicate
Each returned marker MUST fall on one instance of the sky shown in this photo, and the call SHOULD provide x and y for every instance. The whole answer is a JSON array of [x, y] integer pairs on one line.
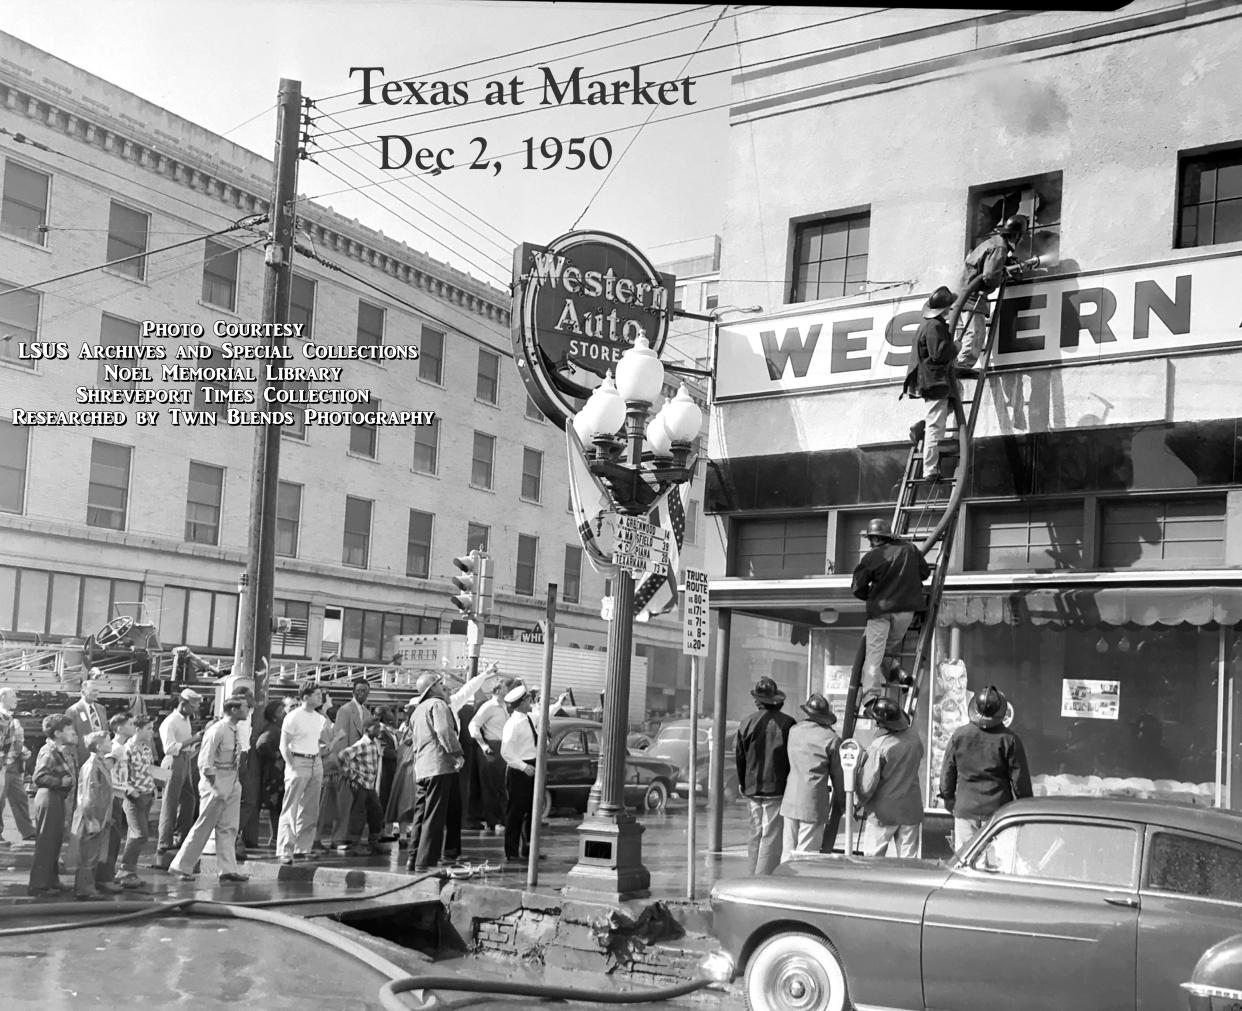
[[218, 63]]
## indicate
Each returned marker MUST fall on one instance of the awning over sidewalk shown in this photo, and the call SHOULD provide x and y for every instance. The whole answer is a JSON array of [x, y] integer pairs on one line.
[[1096, 606]]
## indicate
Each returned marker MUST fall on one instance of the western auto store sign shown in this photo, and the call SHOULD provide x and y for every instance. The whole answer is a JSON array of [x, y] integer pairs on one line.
[[1103, 316], [579, 303]]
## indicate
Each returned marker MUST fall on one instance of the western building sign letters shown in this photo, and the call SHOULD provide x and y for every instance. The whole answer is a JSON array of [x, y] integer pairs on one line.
[[1156, 309]]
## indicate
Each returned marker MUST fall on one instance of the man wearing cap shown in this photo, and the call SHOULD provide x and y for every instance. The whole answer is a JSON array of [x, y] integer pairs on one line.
[[762, 771], [890, 579], [351, 719], [437, 759], [984, 766], [934, 352], [302, 745], [815, 781], [486, 728], [519, 746], [219, 793], [179, 741], [87, 714], [888, 786]]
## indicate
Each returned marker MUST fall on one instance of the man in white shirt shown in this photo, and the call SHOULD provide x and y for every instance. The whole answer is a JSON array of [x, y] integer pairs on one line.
[[486, 729], [179, 741], [303, 744], [519, 744], [351, 720]]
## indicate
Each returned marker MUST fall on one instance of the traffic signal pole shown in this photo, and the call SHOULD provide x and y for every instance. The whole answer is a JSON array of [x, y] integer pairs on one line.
[[473, 600], [255, 636]]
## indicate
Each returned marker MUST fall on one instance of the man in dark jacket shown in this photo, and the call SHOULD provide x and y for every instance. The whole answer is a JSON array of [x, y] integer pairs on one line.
[[988, 261], [762, 769], [890, 579], [984, 766], [934, 350]]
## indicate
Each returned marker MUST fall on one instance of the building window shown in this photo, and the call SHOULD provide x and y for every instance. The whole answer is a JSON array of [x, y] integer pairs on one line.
[[527, 553], [478, 537], [1209, 205], [200, 619], [1036, 197], [202, 504], [571, 582], [294, 641], [487, 386], [19, 322], [302, 303], [108, 492], [370, 324], [371, 636], [362, 437], [209, 395], [297, 430], [288, 518], [114, 331], [711, 295], [427, 446], [418, 545], [1025, 537], [357, 544], [830, 257], [1175, 533], [431, 356], [36, 602], [127, 237], [784, 547], [679, 296], [532, 410], [220, 275], [692, 522], [532, 473], [481, 462], [23, 210], [14, 450]]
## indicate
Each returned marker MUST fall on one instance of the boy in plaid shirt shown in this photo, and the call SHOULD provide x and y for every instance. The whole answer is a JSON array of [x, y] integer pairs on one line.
[[360, 765], [139, 786]]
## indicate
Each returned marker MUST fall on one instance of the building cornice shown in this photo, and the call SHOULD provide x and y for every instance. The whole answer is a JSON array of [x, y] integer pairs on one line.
[[193, 167]]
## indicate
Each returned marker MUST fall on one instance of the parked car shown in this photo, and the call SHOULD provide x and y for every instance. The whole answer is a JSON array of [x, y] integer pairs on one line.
[[672, 744], [1216, 983], [573, 764], [1073, 903], [638, 742]]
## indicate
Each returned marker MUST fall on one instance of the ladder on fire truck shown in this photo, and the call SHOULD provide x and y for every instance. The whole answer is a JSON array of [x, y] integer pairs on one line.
[[927, 512]]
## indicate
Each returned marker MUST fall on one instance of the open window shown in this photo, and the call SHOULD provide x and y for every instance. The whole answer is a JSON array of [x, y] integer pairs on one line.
[[1036, 197]]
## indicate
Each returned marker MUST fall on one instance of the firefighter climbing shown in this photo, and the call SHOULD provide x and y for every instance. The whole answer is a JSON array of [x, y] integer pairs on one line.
[[989, 260]]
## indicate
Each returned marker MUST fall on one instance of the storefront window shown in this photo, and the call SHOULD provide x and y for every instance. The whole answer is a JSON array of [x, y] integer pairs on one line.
[[760, 647], [1104, 706]]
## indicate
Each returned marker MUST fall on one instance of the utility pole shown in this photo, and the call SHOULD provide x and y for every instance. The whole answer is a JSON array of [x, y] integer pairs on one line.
[[255, 635]]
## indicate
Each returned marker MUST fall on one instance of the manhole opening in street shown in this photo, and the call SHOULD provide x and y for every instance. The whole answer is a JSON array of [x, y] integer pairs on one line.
[[417, 925]]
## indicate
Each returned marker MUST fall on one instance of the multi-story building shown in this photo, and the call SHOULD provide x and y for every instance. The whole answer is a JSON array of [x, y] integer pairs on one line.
[[369, 518], [1097, 577]]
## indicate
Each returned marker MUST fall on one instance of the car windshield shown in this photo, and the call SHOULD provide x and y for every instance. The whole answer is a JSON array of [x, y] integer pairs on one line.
[[673, 734]]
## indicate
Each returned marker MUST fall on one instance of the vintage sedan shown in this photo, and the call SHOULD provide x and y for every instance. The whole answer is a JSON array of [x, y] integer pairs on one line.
[[573, 764], [672, 744], [1073, 903]]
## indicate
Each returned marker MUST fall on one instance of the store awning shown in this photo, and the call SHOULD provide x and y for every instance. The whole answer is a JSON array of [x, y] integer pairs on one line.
[[1096, 606]]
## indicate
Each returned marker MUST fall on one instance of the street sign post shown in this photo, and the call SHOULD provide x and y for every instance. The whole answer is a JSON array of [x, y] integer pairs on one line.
[[693, 644], [642, 547], [851, 752]]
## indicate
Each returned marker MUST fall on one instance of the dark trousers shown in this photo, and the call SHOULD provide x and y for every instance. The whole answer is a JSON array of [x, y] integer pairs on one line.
[[49, 820], [138, 823], [90, 852], [178, 809], [249, 774], [492, 773], [110, 846], [521, 789], [452, 820], [345, 829], [13, 790], [431, 804], [366, 809]]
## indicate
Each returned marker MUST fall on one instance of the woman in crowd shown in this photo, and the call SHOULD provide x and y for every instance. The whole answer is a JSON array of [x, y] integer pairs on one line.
[[400, 808]]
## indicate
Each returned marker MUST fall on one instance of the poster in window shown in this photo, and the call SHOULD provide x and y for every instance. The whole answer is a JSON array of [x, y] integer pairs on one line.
[[1087, 699], [948, 713]]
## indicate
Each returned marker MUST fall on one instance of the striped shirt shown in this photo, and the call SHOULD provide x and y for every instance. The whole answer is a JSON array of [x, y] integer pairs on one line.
[[138, 762], [361, 762]]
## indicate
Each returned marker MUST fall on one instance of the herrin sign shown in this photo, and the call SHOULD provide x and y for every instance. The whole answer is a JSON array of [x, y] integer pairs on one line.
[[579, 304]]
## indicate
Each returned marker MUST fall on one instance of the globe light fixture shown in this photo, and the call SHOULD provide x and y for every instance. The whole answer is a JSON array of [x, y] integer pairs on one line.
[[640, 376]]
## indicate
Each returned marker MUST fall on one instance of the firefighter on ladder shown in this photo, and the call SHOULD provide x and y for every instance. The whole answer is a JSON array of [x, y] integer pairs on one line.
[[890, 579], [929, 377], [989, 260]]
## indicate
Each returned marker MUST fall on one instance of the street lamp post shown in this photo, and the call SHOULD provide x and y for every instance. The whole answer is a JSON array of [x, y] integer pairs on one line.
[[636, 464]]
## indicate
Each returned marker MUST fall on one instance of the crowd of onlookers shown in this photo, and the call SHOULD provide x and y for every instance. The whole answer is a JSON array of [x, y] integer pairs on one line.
[[343, 778], [792, 776]]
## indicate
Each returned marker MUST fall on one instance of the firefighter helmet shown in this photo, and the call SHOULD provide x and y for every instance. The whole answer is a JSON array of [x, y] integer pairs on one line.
[[880, 527], [1014, 227]]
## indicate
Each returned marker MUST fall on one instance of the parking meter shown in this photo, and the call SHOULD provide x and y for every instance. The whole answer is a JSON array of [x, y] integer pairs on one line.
[[850, 752]]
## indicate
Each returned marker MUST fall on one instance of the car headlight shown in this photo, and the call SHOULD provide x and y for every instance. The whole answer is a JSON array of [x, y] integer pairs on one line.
[[718, 966]]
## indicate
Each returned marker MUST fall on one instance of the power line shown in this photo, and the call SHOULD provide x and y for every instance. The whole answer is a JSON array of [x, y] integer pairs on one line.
[[250, 120], [613, 167], [542, 45]]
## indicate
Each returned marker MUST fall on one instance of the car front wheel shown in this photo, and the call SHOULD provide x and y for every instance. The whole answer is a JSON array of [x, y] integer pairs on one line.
[[656, 797], [796, 972]]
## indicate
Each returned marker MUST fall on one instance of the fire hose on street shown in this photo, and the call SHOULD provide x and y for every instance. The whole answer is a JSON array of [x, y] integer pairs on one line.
[[263, 911]]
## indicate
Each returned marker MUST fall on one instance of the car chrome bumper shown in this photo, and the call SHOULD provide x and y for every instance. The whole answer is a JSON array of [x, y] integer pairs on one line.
[[1212, 998]]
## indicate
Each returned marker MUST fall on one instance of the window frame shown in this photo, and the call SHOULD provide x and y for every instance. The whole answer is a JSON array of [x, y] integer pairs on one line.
[[1163, 503], [346, 533], [1004, 188], [1153, 831], [360, 332], [136, 268], [224, 250], [372, 404], [125, 491], [570, 578], [296, 521], [24, 472], [494, 379], [520, 564], [535, 478], [472, 531], [216, 359], [9, 348], [100, 381], [434, 448], [441, 338], [850, 216], [218, 505], [475, 461], [40, 236], [298, 309], [410, 543], [298, 429], [1185, 159], [979, 846]]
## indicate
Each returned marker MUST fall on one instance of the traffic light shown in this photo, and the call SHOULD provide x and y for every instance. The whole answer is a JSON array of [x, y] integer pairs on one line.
[[474, 584]]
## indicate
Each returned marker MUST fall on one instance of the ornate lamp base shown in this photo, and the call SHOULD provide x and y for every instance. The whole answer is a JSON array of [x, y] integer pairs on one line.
[[610, 861]]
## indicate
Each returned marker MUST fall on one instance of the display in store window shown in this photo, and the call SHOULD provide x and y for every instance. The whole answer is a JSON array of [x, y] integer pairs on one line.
[[948, 713], [1084, 698]]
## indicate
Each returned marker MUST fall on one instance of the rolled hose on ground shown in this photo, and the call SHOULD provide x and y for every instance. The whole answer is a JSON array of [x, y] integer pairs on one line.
[[398, 981]]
